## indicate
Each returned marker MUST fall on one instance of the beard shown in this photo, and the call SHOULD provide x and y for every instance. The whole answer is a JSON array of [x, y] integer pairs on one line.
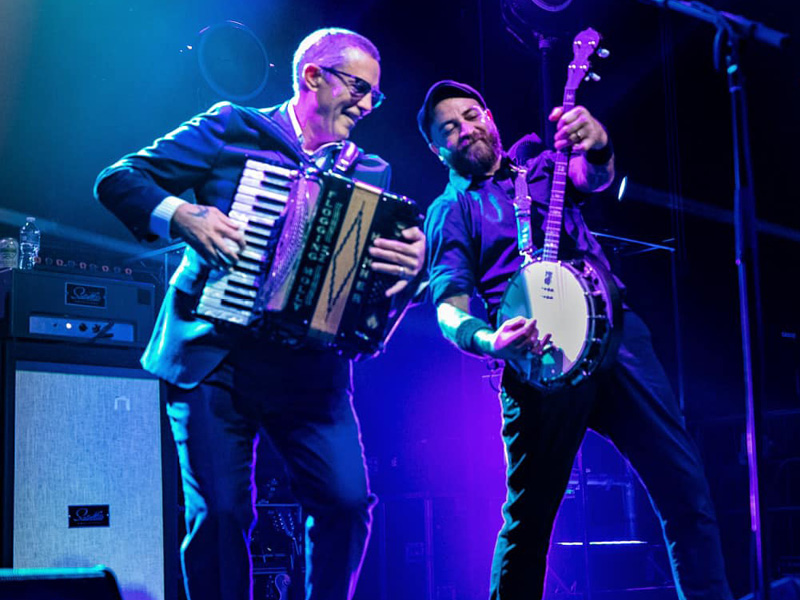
[[479, 157]]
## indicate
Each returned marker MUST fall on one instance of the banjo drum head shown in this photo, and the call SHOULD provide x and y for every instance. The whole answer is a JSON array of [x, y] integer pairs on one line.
[[551, 293]]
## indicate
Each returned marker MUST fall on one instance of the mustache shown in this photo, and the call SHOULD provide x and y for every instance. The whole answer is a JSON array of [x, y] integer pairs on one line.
[[467, 142], [469, 160]]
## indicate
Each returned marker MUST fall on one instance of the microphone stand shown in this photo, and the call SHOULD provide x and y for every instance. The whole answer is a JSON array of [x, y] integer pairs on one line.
[[731, 31], [545, 45]]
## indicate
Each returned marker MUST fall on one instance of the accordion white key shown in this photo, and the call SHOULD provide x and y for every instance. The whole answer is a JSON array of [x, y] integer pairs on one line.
[[304, 277]]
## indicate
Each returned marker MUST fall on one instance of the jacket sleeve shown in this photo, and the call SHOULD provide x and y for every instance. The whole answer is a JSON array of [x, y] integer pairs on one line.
[[133, 186]]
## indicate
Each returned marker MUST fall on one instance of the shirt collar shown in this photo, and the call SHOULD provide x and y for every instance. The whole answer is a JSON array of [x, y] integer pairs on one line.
[[298, 131]]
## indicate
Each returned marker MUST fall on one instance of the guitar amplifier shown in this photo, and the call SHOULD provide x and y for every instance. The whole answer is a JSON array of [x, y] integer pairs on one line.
[[87, 310]]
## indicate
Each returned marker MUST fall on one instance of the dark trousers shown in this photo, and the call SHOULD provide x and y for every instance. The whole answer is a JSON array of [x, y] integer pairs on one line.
[[304, 404], [633, 406]]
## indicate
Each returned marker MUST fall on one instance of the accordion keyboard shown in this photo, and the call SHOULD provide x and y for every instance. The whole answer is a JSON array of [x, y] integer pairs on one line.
[[260, 199]]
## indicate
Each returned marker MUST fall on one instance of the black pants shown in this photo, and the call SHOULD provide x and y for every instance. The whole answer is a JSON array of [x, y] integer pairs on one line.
[[633, 406], [303, 401]]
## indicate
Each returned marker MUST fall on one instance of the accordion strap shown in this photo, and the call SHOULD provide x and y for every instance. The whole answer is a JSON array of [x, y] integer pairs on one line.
[[347, 156]]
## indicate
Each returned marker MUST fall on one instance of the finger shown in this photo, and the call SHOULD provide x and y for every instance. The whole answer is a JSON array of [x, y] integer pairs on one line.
[[394, 270], [225, 250], [590, 137], [413, 234], [234, 236], [229, 222], [578, 129], [514, 324], [556, 113], [409, 263], [541, 335], [529, 329], [412, 250], [520, 345], [387, 247], [569, 117], [571, 123], [231, 250], [397, 287], [521, 338], [208, 253], [537, 347], [572, 143], [522, 341], [567, 136]]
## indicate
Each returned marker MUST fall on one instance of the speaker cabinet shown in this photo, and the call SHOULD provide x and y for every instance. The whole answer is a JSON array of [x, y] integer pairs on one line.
[[85, 484]]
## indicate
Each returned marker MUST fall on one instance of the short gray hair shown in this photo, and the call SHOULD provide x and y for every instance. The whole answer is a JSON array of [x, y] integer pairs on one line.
[[327, 47]]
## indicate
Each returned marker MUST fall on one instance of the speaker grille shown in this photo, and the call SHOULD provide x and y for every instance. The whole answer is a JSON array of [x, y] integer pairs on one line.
[[89, 436]]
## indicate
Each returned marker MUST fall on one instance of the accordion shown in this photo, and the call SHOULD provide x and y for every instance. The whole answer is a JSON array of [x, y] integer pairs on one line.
[[304, 277]]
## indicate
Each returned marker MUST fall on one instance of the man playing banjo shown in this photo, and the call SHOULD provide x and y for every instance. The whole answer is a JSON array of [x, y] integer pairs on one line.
[[472, 235]]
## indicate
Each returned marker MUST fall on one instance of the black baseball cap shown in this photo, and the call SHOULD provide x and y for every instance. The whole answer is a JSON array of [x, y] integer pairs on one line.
[[441, 90]]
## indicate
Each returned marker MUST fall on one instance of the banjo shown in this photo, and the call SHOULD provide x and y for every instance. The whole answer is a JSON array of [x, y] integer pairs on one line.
[[576, 301]]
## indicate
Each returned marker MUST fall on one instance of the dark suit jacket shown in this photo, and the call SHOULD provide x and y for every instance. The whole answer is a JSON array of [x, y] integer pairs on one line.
[[206, 155]]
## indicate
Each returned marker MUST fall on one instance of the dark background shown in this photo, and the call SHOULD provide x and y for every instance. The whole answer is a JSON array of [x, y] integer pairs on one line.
[[84, 82]]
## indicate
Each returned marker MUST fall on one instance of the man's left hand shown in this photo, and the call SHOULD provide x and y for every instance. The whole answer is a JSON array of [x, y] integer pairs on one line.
[[577, 130], [402, 258]]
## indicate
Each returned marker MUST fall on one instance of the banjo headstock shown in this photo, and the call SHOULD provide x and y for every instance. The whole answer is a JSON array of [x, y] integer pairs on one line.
[[585, 44]]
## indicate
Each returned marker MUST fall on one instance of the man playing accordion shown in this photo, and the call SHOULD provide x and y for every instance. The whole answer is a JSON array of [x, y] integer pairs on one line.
[[225, 383]]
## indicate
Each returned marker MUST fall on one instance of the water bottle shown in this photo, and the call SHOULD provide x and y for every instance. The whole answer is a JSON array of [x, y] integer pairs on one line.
[[9, 253], [29, 239]]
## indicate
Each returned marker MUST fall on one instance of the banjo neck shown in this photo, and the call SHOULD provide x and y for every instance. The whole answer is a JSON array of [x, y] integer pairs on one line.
[[555, 212], [584, 45]]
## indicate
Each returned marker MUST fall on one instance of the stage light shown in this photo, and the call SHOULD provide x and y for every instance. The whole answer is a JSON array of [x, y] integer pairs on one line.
[[605, 543], [232, 60], [622, 185]]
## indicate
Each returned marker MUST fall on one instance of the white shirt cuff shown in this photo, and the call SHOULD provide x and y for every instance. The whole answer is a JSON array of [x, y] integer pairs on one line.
[[161, 216]]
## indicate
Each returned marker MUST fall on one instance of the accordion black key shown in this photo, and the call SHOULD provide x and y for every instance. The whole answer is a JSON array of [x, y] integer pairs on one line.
[[304, 277]]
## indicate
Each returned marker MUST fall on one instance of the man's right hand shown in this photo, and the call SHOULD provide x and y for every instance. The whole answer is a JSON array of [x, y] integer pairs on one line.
[[214, 236], [517, 338]]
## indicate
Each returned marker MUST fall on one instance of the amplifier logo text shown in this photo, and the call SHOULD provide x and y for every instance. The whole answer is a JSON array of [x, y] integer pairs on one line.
[[89, 515], [78, 294]]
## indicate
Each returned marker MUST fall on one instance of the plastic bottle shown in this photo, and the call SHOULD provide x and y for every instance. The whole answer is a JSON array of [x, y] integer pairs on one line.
[[9, 253], [29, 240]]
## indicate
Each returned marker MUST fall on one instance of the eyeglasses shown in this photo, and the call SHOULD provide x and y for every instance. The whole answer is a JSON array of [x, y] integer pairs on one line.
[[358, 87]]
